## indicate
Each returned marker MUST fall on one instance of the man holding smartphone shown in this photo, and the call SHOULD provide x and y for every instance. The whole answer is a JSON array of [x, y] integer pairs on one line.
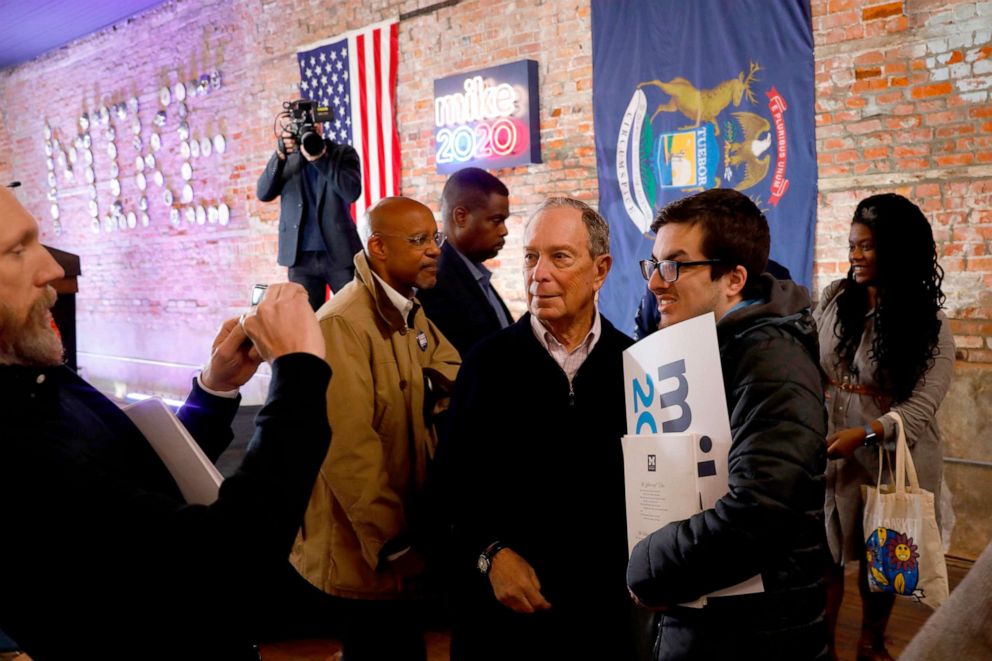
[[101, 556]]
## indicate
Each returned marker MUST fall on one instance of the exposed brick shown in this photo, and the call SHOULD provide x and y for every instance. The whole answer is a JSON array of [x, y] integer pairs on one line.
[[982, 327], [913, 150], [867, 72], [869, 58], [835, 6], [882, 11], [969, 342], [977, 355], [948, 131], [983, 263], [913, 163], [936, 89]]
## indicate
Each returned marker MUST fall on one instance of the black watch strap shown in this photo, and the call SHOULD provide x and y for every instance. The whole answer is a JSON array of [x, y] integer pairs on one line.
[[871, 438], [485, 561]]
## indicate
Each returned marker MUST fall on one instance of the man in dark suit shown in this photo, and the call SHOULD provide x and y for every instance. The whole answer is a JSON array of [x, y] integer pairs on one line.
[[464, 305], [317, 236]]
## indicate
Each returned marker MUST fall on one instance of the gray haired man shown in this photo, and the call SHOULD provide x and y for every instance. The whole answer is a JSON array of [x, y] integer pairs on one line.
[[535, 463]]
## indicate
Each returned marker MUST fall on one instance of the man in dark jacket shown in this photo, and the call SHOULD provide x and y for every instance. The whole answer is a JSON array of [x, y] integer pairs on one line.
[[709, 250], [464, 304], [101, 557], [317, 236], [534, 454]]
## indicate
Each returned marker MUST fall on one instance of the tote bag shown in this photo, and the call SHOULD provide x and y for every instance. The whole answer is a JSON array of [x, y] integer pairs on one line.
[[903, 547]]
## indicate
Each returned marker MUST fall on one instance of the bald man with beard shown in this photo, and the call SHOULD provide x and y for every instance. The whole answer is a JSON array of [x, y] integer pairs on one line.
[[100, 555], [362, 538]]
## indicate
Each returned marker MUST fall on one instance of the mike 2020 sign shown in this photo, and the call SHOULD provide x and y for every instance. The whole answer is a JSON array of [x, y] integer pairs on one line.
[[487, 118]]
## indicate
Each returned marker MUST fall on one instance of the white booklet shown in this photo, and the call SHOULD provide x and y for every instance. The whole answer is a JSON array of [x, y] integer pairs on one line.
[[676, 411], [198, 479], [658, 482]]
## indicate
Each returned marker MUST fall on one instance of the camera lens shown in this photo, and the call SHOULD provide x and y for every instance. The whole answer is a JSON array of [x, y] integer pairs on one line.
[[312, 143]]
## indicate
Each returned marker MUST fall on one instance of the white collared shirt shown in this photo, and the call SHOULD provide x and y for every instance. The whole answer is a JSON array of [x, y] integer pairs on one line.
[[402, 303], [569, 361]]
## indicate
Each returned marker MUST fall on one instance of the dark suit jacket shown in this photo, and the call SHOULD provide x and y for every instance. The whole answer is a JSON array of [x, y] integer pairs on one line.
[[457, 304], [100, 554], [341, 173]]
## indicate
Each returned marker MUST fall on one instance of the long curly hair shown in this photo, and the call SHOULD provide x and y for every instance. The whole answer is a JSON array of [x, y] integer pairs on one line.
[[908, 281]]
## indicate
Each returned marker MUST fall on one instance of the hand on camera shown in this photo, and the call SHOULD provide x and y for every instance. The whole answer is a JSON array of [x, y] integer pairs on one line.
[[233, 359], [284, 323], [287, 145]]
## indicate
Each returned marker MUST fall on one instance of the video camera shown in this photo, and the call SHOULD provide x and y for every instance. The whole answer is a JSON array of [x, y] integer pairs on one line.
[[301, 117]]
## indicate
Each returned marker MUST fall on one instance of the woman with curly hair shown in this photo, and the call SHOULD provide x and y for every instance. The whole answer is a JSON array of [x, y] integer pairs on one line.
[[884, 345]]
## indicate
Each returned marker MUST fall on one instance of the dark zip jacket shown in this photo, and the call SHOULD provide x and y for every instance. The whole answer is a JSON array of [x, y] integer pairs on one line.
[[771, 520]]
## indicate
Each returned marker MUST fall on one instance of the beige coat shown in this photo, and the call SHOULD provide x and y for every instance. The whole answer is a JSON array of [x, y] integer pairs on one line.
[[844, 504], [371, 482]]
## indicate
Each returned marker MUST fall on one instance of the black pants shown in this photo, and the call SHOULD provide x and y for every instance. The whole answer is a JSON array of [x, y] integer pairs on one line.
[[313, 271], [369, 630]]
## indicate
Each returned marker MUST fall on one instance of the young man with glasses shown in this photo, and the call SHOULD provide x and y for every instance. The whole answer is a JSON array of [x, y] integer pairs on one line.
[[362, 537], [709, 256]]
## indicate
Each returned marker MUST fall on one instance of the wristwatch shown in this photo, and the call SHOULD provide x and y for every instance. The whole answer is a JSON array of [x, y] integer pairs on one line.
[[871, 438], [485, 561]]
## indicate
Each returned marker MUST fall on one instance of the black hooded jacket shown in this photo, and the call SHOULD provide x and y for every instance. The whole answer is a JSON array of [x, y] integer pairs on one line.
[[771, 520]]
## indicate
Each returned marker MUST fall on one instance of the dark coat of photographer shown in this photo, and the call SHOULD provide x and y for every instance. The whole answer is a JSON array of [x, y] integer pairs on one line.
[[317, 236]]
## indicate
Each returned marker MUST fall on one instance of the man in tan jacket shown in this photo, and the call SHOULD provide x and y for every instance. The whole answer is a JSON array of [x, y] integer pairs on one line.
[[392, 372]]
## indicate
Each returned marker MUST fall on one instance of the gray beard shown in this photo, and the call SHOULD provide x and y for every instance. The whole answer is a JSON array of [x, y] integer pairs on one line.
[[32, 342]]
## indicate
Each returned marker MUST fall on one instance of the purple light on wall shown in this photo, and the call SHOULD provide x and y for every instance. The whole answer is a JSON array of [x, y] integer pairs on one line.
[[28, 29]]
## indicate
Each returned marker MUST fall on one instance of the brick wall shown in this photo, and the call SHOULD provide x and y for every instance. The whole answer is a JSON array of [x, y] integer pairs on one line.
[[158, 292], [902, 102], [6, 166]]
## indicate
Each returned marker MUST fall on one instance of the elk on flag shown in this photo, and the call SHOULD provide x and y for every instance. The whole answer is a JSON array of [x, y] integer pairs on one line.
[[693, 95]]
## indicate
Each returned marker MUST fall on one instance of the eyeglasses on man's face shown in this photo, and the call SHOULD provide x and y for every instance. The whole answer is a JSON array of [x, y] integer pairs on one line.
[[669, 269], [418, 241]]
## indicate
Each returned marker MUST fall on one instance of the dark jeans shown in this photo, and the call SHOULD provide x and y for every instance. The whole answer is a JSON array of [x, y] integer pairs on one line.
[[313, 271], [381, 630], [369, 630]]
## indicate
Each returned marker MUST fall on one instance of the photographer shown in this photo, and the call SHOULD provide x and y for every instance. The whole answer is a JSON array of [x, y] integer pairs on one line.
[[316, 181]]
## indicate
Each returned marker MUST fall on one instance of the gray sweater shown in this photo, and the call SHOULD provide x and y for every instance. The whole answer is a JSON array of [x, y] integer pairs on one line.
[[961, 628]]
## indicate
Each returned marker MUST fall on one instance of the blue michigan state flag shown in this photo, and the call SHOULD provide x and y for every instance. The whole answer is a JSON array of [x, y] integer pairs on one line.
[[693, 95]]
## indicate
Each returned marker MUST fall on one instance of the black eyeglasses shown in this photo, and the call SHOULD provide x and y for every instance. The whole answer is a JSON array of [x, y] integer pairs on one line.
[[418, 240], [669, 269]]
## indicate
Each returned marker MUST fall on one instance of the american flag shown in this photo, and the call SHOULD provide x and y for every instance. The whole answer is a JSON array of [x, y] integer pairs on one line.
[[355, 73]]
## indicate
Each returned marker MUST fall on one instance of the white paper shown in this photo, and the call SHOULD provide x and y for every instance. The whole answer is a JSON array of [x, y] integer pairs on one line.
[[198, 479], [673, 388], [657, 472], [674, 384]]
